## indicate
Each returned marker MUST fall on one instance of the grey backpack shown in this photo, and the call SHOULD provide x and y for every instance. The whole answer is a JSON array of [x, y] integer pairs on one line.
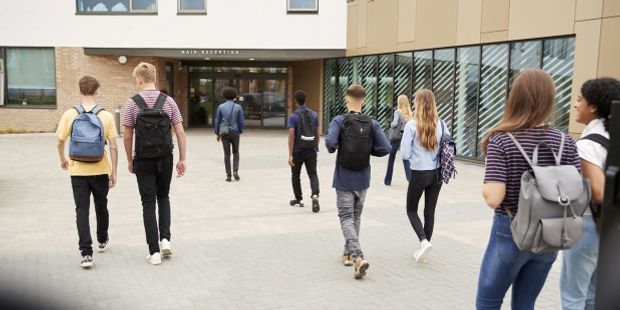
[[552, 200]]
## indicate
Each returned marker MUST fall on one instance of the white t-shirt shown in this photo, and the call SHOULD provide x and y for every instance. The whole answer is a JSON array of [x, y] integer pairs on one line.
[[591, 151]]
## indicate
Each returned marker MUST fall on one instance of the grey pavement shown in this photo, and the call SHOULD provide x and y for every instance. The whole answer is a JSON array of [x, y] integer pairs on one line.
[[237, 245]]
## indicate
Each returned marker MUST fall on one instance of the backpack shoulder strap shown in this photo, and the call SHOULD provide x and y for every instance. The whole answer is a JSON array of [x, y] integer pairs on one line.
[[79, 108], [520, 148], [161, 100], [96, 110], [597, 138], [139, 102]]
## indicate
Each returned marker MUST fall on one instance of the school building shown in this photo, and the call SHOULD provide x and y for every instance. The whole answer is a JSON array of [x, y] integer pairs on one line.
[[466, 51]]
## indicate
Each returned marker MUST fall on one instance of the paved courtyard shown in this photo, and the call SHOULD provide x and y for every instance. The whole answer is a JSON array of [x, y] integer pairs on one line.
[[237, 245]]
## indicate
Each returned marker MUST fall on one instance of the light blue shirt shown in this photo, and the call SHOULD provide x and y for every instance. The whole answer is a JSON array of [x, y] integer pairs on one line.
[[418, 157]]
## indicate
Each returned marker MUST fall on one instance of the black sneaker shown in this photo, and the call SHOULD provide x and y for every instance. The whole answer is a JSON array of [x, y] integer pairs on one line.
[[316, 207], [236, 175], [228, 179], [296, 203], [103, 246], [87, 261]]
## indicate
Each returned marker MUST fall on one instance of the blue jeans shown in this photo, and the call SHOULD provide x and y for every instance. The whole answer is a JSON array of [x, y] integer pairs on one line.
[[504, 265], [390, 167], [578, 279]]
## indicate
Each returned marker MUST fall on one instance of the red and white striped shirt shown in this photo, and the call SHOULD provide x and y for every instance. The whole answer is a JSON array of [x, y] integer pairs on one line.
[[150, 96]]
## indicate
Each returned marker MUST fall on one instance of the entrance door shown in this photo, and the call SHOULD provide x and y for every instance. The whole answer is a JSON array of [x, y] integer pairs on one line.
[[274, 103], [200, 102]]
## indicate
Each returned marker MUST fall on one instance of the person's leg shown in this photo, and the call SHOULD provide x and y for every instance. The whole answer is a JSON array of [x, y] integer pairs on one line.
[[81, 196], [431, 194], [164, 176], [500, 266], [147, 185], [390, 166], [360, 196], [310, 159], [100, 187], [531, 279], [407, 165], [226, 146], [346, 213], [590, 300], [236, 137], [579, 267], [295, 175], [414, 193]]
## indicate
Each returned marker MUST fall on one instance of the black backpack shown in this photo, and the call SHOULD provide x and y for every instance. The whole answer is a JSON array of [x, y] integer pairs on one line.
[[153, 129], [597, 209], [356, 141], [306, 131]]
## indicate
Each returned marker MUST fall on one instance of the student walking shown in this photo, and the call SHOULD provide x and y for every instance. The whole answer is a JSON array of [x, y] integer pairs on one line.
[[402, 115], [89, 127], [530, 103], [593, 107], [420, 147], [151, 115], [228, 128], [356, 137], [303, 145]]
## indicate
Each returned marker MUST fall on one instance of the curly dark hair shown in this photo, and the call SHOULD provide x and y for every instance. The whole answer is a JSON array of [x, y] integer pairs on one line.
[[600, 93], [229, 93]]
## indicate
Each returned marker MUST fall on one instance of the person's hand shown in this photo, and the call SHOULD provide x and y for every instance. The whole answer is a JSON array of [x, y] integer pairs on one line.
[[180, 168], [64, 164], [130, 166], [290, 161], [112, 180], [218, 138]]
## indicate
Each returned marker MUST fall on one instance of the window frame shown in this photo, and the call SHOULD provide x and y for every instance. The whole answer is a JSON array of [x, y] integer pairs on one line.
[[289, 10], [5, 104], [191, 12], [130, 10], [3, 78]]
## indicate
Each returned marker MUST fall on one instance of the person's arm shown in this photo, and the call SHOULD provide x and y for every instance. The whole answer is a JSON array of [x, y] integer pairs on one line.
[[331, 140], [128, 141], [381, 145], [114, 157], [180, 133], [240, 117], [62, 132], [406, 142], [64, 162], [218, 119], [494, 194], [596, 176], [395, 119], [318, 130], [291, 145], [495, 174]]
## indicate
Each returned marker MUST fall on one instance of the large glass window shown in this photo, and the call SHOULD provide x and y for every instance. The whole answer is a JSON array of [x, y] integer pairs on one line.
[[443, 84], [466, 105], [31, 76], [330, 103], [385, 92], [422, 70], [558, 60], [524, 55], [1, 76], [116, 6], [192, 6], [170, 78], [344, 80], [402, 74], [370, 84], [303, 6]]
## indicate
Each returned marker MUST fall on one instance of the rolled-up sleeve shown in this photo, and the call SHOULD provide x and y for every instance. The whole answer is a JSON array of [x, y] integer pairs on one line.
[[407, 141], [495, 168]]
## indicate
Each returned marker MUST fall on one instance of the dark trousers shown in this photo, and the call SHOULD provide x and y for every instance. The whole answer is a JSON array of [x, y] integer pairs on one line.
[[154, 176], [429, 183], [307, 158], [231, 139], [390, 167], [83, 187]]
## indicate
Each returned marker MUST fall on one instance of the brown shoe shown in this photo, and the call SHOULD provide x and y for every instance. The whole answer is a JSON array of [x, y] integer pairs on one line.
[[361, 266], [346, 260]]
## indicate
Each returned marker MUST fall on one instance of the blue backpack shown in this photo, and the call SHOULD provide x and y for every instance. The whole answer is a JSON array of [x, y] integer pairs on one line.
[[87, 139]]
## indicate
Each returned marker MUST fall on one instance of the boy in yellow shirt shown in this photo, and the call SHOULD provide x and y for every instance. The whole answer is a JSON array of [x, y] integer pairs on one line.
[[90, 176]]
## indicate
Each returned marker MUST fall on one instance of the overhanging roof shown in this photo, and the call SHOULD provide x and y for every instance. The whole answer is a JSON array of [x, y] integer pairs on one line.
[[221, 53]]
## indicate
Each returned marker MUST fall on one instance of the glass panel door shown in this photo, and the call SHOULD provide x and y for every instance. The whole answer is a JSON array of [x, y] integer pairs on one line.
[[274, 103], [201, 102], [251, 100]]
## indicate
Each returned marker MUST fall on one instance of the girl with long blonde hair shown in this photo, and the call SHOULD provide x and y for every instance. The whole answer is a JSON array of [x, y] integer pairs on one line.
[[420, 147], [402, 115]]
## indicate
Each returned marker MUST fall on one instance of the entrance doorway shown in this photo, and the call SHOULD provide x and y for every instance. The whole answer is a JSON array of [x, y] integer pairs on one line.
[[262, 94]]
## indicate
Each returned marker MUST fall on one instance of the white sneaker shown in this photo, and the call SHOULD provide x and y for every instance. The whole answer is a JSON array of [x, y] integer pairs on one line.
[[87, 261], [154, 259], [165, 248], [422, 253]]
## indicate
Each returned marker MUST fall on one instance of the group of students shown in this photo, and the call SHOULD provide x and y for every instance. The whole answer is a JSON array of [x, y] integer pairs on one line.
[[356, 137]]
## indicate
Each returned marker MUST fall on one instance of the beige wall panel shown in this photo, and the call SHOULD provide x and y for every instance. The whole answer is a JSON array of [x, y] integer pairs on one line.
[[609, 54], [589, 9], [406, 20], [382, 31], [469, 21], [587, 40], [540, 18], [435, 23], [408, 46], [362, 22], [352, 26], [611, 8], [494, 36], [495, 15], [308, 76]]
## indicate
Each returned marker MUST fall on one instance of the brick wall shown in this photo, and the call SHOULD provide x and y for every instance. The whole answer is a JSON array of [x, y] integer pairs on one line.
[[116, 81]]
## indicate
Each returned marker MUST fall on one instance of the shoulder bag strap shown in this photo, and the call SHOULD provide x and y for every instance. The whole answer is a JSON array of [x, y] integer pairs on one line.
[[232, 109], [161, 100], [79, 108], [597, 138], [96, 110], [520, 148], [139, 102]]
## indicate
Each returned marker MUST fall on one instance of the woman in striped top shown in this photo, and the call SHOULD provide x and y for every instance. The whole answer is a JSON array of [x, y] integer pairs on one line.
[[529, 107]]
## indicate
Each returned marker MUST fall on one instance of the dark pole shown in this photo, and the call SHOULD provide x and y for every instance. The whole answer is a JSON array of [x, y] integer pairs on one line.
[[607, 296]]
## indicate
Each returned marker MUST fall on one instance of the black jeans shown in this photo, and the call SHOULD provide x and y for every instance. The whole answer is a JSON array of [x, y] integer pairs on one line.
[[307, 158], [83, 186], [231, 139], [429, 183], [390, 167], [154, 176]]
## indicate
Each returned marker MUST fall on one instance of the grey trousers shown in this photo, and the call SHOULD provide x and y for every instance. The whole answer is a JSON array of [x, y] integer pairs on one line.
[[350, 205]]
